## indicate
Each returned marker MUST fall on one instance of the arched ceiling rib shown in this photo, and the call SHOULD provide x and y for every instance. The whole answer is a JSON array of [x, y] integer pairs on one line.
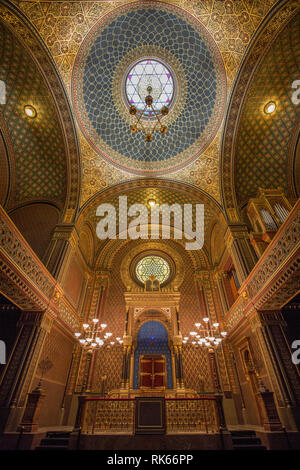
[[140, 191]]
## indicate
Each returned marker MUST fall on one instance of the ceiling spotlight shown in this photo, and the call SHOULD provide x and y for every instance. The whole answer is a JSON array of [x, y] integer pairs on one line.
[[270, 107], [30, 111], [151, 202]]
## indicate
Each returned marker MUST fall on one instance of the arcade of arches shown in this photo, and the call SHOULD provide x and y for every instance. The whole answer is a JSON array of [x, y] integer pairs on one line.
[[228, 73]]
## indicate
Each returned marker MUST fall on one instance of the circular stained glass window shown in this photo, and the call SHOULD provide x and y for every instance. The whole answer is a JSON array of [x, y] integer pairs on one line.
[[149, 77], [152, 266]]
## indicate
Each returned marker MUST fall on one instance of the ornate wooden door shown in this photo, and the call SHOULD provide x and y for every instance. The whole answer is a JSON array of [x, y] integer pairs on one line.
[[152, 371]]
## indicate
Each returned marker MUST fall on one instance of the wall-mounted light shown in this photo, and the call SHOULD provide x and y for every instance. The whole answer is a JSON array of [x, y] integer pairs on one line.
[[270, 107], [30, 111]]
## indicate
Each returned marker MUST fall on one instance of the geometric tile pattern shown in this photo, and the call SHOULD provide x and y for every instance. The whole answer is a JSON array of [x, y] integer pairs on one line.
[[115, 37], [263, 140], [37, 147]]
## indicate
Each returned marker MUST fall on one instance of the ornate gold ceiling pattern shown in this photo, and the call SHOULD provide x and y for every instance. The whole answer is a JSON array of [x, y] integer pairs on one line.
[[35, 146], [131, 33], [281, 15], [140, 191], [63, 26], [54, 107], [262, 154]]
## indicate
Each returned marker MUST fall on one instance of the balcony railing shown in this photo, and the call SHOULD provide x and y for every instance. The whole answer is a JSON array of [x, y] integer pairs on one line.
[[117, 415], [192, 415], [108, 415]]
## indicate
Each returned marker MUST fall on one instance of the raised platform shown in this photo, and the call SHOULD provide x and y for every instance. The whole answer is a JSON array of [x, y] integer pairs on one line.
[[188, 441]]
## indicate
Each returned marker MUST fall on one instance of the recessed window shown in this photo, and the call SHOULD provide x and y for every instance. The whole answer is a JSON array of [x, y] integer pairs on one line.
[[149, 77], [152, 266]]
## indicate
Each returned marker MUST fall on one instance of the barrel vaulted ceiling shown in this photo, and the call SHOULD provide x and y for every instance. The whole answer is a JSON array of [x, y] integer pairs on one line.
[[92, 43], [35, 146], [265, 144]]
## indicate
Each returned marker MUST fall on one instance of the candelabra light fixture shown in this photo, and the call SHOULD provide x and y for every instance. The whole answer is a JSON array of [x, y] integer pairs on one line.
[[208, 335], [157, 114], [92, 335]]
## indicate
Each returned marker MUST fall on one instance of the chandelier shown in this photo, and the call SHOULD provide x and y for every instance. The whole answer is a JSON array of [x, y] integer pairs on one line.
[[92, 335], [207, 335], [157, 114]]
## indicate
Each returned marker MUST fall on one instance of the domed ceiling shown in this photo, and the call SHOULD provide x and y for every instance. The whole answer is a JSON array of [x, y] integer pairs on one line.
[[219, 30], [146, 31]]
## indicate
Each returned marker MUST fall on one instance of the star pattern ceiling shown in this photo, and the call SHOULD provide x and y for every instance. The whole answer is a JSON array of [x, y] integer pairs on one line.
[[172, 35], [262, 157], [36, 147], [64, 25]]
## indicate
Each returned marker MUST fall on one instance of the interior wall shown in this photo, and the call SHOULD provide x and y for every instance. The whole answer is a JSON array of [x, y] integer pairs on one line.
[[195, 362], [36, 223], [57, 349], [74, 279]]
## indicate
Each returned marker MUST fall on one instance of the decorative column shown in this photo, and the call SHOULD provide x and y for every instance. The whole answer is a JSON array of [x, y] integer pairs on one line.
[[214, 370], [284, 376], [242, 254], [30, 420], [65, 238], [126, 368], [94, 308], [208, 308], [205, 294], [20, 370], [177, 347], [221, 291], [101, 286]]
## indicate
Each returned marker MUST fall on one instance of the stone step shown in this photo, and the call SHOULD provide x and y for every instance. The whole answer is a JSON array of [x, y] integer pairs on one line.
[[245, 440], [51, 448], [243, 433], [59, 434], [54, 441], [250, 447]]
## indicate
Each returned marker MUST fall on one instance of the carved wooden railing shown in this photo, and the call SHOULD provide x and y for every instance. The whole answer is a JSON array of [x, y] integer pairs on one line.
[[105, 415], [275, 277], [26, 281]]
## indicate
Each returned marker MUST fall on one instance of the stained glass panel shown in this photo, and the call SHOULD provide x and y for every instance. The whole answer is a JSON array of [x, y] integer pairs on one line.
[[149, 72], [152, 266]]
